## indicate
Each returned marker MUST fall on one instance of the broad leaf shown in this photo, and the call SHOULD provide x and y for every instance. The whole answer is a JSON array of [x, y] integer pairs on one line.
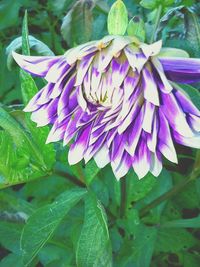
[[10, 236], [43, 223], [93, 247]]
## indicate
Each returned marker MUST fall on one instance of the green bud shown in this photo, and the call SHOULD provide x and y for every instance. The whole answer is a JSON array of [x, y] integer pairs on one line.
[[136, 27], [117, 19]]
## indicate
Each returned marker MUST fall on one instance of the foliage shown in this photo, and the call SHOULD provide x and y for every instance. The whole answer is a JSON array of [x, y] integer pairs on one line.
[[54, 215]]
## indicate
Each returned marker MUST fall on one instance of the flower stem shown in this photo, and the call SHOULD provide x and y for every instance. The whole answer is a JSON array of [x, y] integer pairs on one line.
[[178, 188], [157, 22], [71, 178], [164, 197], [122, 210]]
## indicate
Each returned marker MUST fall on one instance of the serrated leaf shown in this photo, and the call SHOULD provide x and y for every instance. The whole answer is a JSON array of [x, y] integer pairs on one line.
[[117, 18], [93, 247], [43, 223]]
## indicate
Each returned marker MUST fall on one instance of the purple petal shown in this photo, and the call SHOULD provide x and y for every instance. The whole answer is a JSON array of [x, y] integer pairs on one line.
[[142, 159], [77, 149], [182, 70], [134, 133], [150, 87], [148, 116], [57, 131], [72, 128], [175, 115], [36, 65], [186, 103], [45, 114], [121, 168], [165, 143], [187, 141]]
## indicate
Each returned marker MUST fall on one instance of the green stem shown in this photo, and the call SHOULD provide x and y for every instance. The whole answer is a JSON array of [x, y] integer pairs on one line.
[[164, 197], [178, 188], [122, 210], [71, 178], [157, 22]]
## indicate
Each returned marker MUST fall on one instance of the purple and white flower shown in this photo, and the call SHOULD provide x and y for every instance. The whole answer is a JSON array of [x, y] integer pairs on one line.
[[117, 101]]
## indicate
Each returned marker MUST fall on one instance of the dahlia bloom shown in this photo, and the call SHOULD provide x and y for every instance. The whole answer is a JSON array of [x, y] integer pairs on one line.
[[117, 101]]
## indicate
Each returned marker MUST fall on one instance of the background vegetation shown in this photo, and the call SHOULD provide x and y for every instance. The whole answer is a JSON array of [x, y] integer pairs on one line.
[[47, 216]]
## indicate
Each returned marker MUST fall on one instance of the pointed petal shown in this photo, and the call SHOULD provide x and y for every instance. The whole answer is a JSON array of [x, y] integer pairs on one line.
[[156, 164], [142, 159], [121, 168], [102, 157], [148, 116], [175, 115], [77, 149], [150, 87], [165, 143], [182, 70], [35, 65]]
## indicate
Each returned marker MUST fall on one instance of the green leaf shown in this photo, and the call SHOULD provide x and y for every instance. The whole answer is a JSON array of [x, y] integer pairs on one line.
[[162, 185], [11, 260], [10, 236], [21, 158], [9, 13], [77, 24], [183, 223], [138, 250], [136, 27], [149, 4], [193, 31], [143, 246], [28, 86], [93, 247], [10, 202], [174, 240], [43, 223], [138, 189], [117, 19]]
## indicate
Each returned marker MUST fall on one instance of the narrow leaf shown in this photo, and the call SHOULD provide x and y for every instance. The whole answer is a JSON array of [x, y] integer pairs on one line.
[[183, 223], [28, 86]]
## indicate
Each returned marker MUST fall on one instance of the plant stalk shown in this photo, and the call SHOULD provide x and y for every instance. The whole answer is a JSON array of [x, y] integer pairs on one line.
[[178, 188], [122, 210], [157, 22]]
